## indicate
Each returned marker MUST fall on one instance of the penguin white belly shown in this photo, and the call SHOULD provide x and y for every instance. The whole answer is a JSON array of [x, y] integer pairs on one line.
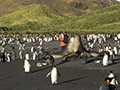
[[105, 60], [34, 56], [27, 66], [54, 76], [27, 57]]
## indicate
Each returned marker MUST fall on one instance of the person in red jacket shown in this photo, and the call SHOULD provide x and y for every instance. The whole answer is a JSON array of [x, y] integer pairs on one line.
[[64, 39]]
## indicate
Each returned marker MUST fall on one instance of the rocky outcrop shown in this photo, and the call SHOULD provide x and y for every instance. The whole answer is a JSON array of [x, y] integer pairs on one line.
[[105, 3]]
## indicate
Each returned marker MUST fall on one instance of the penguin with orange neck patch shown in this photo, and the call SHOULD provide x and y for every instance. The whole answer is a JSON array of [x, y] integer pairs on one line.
[[109, 83], [54, 74]]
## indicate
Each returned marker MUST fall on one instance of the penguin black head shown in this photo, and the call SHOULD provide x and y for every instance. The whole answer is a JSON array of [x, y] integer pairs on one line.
[[55, 65], [111, 71], [47, 56]]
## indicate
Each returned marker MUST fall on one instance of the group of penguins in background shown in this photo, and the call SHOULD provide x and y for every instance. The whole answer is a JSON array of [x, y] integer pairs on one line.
[[109, 43], [105, 42]]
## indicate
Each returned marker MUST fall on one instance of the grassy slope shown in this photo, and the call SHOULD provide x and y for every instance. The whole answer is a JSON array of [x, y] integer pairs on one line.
[[40, 19]]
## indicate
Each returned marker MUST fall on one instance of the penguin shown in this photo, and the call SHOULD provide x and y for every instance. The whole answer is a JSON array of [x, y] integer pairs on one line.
[[83, 58], [8, 57], [41, 50], [111, 56], [50, 60], [115, 50], [111, 75], [105, 59], [20, 46], [23, 46], [35, 55], [27, 66], [109, 82], [41, 42], [20, 54], [3, 49], [13, 55], [27, 56], [2, 57], [32, 49], [38, 64], [54, 73]]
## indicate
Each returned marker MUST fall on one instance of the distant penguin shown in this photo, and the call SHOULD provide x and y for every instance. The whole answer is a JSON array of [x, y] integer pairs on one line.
[[2, 57], [35, 55], [27, 56], [32, 49], [54, 73], [20, 46], [26, 66], [83, 58], [41, 42], [105, 59], [115, 50], [111, 55], [3, 49], [41, 50], [13, 56], [23, 46], [50, 60], [8, 57], [20, 54], [38, 64]]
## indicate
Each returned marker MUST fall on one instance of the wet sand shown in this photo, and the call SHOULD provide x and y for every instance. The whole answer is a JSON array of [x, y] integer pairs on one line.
[[74, 75]]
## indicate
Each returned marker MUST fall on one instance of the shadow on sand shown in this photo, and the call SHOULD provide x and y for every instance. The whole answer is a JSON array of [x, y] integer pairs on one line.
[[41, 69], [68, 81]]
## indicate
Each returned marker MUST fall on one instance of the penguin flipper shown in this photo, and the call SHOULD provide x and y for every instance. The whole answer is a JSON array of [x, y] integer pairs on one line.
[[48, 74], [58, 73]]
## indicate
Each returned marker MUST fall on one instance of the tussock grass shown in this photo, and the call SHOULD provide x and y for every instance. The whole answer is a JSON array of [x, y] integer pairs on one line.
[[40, 19]]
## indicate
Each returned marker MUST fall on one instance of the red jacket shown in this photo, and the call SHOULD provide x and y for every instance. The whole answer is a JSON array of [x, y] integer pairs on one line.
[[61, 37]]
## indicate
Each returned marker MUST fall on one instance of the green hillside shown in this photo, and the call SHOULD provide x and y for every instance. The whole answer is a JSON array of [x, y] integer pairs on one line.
[[40, 19]]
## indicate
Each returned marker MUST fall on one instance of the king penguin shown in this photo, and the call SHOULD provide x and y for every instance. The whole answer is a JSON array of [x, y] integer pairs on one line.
[[26, 66], [50, 60], [105, 59], [54, 72], [27, 56], [109, 82]]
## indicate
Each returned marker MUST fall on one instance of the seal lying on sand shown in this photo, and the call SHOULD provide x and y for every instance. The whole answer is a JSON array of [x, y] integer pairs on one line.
[[74, 48]]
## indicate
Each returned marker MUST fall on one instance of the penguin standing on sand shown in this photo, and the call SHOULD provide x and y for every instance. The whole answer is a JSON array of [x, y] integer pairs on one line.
[[27, 56], [2, 57], [20, 54], [115, 50], [26, 66], [105, 59], [23, 46], [41, 50], [111, 59], [35, 55], [109, 82], [8, 57], [54, 72], [32, 49]]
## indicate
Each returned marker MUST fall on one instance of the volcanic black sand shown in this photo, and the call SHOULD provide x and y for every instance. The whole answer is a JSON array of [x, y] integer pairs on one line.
[[74, 75]]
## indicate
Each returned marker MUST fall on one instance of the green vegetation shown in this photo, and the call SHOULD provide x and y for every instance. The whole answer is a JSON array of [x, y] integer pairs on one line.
[[40, 19]]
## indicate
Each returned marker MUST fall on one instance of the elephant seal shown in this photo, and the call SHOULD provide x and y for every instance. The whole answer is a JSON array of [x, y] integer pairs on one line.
[[74, 48]]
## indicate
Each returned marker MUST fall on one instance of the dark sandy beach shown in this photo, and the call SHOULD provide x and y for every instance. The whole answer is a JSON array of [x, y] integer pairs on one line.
[[74, 75]]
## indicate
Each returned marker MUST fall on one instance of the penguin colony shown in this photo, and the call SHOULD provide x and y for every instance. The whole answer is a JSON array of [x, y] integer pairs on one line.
[[101, 42]]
